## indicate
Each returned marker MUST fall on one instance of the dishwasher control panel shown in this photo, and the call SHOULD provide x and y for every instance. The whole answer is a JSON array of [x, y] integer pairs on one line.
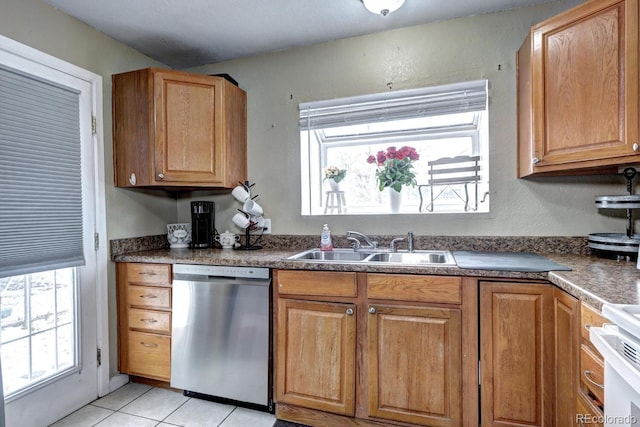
[[221, 271]]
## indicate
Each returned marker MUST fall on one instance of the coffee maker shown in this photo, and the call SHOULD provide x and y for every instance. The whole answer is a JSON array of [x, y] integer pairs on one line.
[[202, 224]]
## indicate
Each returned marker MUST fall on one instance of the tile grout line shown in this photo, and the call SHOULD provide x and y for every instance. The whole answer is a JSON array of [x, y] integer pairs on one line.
[[180, 406], [228, 415]]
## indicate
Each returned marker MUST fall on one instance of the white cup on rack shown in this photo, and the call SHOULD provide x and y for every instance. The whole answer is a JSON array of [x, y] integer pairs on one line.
[[252, 208], [257, 221], [240, 193], [241, 220]]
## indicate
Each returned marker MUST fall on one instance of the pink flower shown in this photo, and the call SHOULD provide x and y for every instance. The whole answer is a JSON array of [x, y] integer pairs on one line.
[[394, 167]]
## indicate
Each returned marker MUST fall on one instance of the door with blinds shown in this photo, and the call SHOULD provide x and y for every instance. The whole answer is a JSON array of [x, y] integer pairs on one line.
[[48, 262]]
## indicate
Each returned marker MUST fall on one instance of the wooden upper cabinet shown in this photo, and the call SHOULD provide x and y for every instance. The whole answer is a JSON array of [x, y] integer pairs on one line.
[[177, 129], [578, 91]]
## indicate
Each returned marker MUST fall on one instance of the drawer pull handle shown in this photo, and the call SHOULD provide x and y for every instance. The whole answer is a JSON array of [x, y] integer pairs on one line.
[[149, 296], [587, 376], [144, 344], [149, 320], [147, 273]]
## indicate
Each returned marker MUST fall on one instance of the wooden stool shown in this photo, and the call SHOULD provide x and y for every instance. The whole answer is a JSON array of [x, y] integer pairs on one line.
[[335, 200]]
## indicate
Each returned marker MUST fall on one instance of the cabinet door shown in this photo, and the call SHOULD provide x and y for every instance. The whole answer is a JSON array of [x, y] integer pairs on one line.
[[566, 347], [516, 354], [584, 88], [316, 344], [188, 132], [414, 364]]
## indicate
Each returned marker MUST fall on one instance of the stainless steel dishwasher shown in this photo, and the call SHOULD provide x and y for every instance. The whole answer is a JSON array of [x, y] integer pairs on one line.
[[220, 344]]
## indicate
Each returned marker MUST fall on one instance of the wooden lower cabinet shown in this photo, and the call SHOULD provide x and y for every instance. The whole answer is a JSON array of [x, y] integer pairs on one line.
[[387, 349], [566, 343], [516, 336], [414, 364], [387, 353], [316, 355], [144, 320]]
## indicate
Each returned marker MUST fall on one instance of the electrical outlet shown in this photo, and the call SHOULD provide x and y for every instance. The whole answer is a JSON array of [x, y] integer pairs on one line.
[[266, 228]]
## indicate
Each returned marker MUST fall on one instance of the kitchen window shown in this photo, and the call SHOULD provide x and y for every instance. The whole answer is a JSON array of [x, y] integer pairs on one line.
[[449, 121]]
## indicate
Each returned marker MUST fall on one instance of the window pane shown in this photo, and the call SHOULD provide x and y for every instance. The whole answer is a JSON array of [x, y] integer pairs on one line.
[[43, 353], [13, 305], [43, 301], [43, 343], [66, 351], [16, 356]]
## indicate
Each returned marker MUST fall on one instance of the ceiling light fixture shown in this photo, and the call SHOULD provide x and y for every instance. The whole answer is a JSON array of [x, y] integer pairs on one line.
[[382, 7]]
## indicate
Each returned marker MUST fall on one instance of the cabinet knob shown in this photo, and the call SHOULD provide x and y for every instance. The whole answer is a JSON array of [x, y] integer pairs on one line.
[[133, 179], [160, 176], [636, 147], [372, 310], [535, 160], [349, 311]]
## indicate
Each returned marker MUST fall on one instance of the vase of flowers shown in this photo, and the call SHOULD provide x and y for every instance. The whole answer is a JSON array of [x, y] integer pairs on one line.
[[395, 170], [334, 175]]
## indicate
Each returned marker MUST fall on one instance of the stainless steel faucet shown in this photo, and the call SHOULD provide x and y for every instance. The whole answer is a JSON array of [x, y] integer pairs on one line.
[[394, 242], [397, 240], [355, 237]]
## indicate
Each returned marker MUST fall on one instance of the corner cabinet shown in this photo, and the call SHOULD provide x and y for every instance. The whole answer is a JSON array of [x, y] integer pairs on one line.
[[177, 129], [144, 320], [578, 91]]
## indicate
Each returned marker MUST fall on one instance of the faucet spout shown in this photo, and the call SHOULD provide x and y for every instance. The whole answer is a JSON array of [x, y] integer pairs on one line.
[[356, 237], [410, 241]]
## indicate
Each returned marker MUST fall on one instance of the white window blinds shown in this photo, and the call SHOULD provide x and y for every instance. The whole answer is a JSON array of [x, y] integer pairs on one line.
[[40, 175], [405, 104]]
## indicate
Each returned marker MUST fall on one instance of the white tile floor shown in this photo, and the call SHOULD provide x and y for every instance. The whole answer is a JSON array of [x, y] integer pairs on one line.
[[140, 405]]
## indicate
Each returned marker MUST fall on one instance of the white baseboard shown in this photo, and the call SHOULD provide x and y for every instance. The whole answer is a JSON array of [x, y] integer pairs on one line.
[[117, 381]]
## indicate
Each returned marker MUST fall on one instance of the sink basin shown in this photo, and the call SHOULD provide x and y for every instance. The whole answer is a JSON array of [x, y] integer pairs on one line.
[[340, 255], [418, 257], [376, 257]]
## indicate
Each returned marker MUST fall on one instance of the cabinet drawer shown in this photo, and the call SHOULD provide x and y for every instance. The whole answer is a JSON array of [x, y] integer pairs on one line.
[[149, 296], [149, 274], [149, 320], [149, 355], [592, 372], [405, 287], [587, 415], [321, 283], [589, 317]]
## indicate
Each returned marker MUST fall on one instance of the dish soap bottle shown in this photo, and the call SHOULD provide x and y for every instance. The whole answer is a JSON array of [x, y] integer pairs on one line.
[[325, 239]]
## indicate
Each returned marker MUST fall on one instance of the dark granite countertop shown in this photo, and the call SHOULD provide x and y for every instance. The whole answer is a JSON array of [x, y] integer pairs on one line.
[[592, 279]]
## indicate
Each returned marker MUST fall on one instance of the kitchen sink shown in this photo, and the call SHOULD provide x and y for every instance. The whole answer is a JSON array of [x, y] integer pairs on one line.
[[376, 256], [340, 255], [418, 257]]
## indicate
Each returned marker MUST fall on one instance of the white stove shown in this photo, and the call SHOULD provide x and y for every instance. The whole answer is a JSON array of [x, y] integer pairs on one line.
[[619, 344]]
